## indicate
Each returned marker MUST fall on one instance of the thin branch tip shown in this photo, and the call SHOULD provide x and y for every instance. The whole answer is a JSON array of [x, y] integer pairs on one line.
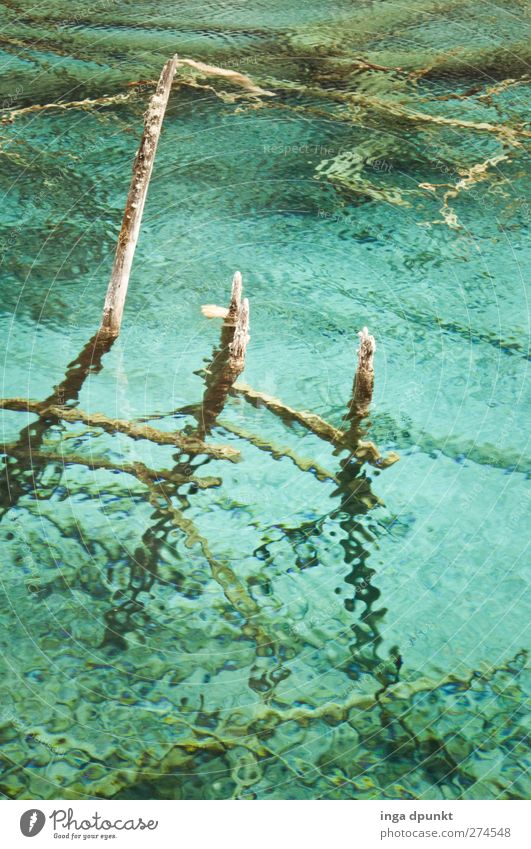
[[236, 296], [366, 350]]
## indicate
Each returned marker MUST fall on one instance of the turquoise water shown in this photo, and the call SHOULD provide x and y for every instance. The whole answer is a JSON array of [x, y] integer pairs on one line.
[[172, 641]]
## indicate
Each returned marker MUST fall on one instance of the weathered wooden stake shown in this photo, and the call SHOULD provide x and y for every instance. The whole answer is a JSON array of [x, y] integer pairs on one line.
[[231, 314], [238, 346], [228, 360], [134, 207], [235, 299], [364, 379]]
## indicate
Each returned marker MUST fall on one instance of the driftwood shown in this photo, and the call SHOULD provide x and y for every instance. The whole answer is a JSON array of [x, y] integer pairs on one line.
[[142, 168], [169, 490], [226, 366], [90, 358]]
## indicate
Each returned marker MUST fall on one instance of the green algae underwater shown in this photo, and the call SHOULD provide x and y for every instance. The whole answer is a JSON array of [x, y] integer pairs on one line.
[[299, 624]]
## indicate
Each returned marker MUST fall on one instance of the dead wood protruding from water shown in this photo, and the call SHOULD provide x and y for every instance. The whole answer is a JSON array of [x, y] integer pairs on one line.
[[235, 298], [351, 438], [238, 346], [88, 361], [364, 379], [228, 361], [229, 315], [90, 358], [142, 168]]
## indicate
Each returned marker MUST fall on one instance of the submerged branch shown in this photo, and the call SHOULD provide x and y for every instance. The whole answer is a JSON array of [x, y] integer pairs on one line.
[[228, 361], [249, 727], [188, 444], [393, 109], [234, 590], [90, 358], [137, 469], [234, 77], [88, 361], [475, 174], [339, 711], [138, 86], [88, 103], [364, 451], [310, 421], [279, 452]]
